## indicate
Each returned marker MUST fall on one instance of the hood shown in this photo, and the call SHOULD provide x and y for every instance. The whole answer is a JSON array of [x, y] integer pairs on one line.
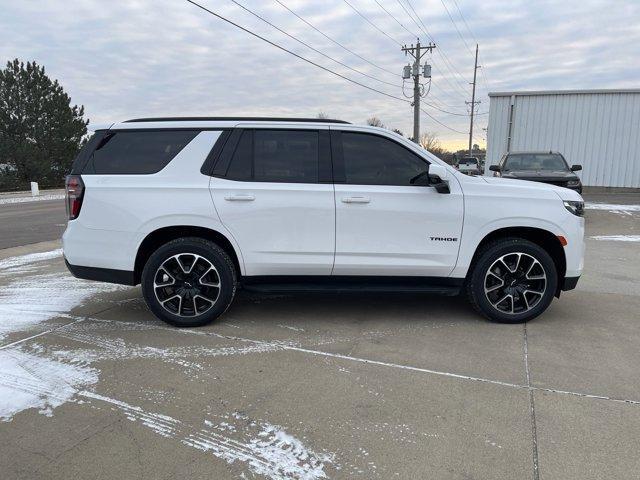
[[543, 188], [539, 175]]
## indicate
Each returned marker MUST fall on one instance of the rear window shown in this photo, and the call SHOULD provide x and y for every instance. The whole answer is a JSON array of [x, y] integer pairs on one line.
[[85, 152], [468, 161], [139, 152]]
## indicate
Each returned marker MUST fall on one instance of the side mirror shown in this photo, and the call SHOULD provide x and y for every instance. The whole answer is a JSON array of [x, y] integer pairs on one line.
[[494, 168], [575, 168], [439, 178]]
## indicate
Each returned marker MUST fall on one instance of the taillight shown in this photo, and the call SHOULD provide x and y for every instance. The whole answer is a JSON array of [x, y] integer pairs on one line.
[[74, 190]]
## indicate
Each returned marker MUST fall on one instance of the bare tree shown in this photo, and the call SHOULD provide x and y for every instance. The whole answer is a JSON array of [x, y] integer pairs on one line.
[[375, 122], [322, 116], [429, 141]]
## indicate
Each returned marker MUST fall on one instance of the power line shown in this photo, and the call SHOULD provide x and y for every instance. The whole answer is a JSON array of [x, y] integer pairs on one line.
[[446, 111], [335, 41], [412, 19], [397, 21], [453, 86], [371, 23], [456, 27], [440, 52], [484, 77], [312, 48], [293, 53], [438, 121], [311, 62]]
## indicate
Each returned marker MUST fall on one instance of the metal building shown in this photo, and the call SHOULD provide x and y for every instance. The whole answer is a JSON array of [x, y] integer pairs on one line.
[[599, 129]]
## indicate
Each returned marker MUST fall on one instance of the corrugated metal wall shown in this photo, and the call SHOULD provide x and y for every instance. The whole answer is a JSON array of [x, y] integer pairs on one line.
[[600, 131]]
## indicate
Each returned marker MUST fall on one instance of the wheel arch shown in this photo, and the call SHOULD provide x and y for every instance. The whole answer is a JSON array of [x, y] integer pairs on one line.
[[541, 237], [160, 236]]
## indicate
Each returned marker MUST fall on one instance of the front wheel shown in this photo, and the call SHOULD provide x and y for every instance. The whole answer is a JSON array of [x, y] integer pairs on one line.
[[189, 282], [512, 281]]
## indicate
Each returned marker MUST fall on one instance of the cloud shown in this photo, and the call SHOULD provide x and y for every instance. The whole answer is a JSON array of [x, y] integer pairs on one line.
[[167, 57]]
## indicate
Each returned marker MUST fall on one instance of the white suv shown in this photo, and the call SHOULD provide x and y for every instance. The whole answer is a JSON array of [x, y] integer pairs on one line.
[[193, 208]]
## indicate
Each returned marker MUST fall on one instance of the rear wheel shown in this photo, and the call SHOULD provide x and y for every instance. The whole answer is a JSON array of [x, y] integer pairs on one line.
[[512, 281], [189, 282]]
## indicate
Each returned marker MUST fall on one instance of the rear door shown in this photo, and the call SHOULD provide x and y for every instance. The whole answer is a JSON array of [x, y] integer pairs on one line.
[[385, 224], [272, 190]]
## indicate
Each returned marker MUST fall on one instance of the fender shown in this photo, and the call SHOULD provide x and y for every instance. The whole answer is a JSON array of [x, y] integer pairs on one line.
[[471, 239], [201, 221]]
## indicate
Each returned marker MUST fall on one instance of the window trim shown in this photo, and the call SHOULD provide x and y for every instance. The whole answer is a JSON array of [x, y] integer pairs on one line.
[[325, 167], [337, 152]]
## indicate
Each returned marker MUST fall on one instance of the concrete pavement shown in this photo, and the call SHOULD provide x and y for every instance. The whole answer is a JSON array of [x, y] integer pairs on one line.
[[315, 386]]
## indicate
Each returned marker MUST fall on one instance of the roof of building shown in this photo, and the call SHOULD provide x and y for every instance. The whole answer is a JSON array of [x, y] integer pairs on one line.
[[234, 119], [565, 92]]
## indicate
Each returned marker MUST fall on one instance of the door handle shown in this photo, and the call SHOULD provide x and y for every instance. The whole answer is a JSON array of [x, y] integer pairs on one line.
[[240, 198], [356, 199]]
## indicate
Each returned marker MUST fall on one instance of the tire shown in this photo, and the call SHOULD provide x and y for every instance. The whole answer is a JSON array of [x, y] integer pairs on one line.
[[189, 282], [513, 267]]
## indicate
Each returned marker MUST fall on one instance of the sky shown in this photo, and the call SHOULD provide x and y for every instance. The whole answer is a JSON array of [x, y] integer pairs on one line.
[[127, 59]]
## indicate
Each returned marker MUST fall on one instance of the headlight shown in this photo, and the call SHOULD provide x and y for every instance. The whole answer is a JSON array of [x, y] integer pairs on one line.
[[573, 183], [577, 208]]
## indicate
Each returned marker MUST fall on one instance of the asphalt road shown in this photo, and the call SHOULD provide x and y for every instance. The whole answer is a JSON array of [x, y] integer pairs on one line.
[[31, 222]]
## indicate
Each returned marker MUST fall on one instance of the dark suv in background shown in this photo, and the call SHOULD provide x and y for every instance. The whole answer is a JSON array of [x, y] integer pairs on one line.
[[546, 167]]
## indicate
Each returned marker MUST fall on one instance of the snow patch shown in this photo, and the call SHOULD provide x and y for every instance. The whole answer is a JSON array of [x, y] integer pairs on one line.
[[160, 424], [617, 238], [30, 300], [108, 348], [295, 329], [619, 209], [28, 380], [40, 198], [271, 451], [14, 263], [266, 449]]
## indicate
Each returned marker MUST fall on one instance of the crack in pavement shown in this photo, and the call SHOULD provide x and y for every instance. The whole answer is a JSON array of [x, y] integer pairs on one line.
[[532, 408], [294, 347]]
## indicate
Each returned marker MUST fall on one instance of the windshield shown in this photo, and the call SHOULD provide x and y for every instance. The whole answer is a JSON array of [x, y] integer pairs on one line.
[[468, 161], [535, 162]]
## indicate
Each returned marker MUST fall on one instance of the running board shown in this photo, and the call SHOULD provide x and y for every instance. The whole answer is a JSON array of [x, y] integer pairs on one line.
[[353, 284]]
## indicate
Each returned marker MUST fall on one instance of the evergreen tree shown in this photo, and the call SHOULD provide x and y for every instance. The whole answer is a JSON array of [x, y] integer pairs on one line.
[[40, 132]]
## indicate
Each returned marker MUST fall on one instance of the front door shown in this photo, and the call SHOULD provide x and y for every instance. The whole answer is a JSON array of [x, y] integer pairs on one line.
[[385, 223], [272, 200]]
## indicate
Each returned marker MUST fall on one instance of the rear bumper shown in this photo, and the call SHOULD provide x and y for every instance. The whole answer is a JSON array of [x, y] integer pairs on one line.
[[570, 283], [108, 275]]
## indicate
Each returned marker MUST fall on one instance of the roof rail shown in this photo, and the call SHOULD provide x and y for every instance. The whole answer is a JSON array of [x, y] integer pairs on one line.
[[232, 119]]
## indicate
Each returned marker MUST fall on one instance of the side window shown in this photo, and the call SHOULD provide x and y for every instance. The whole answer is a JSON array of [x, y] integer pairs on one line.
[[141, 152], [282, 156], [375, 160], [241, 167]]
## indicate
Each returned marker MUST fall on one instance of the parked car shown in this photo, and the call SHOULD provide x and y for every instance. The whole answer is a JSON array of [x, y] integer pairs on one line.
[[194, 209], [469, 166], [546, 167]]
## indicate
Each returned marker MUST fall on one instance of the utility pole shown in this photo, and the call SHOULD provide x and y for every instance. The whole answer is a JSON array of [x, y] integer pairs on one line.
[[414, 71], [473, 102]]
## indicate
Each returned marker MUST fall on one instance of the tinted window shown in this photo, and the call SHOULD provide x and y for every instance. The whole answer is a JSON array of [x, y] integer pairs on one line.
[[286, 156], [85, 152], [137, 152], [374, 160], [241, 167]]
